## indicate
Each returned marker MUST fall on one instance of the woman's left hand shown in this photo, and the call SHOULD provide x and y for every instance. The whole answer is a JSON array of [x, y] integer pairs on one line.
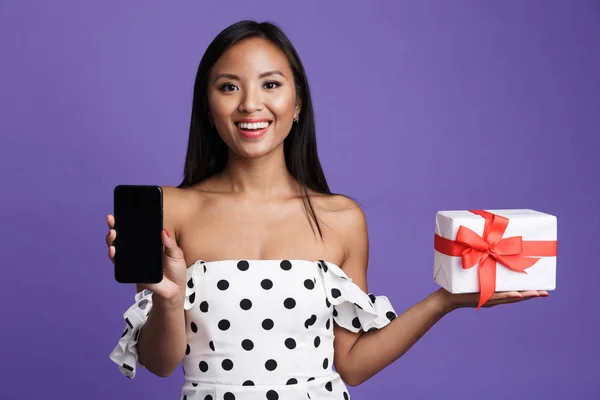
[[471, 300]]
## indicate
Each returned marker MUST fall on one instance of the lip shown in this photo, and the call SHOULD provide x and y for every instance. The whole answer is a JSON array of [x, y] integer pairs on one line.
[[253, 120], [252, 134]]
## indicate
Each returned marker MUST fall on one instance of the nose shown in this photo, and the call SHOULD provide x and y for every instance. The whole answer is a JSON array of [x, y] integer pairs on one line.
[[251, 101]]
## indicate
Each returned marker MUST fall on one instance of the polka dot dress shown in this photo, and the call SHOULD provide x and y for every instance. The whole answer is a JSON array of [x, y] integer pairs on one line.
[[261, 329]]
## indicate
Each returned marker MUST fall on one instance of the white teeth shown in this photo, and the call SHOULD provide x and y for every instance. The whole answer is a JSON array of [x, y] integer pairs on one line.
[[256, 125]]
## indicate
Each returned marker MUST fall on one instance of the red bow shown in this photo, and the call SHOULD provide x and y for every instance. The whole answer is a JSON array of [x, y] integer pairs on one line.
[[512, 252]]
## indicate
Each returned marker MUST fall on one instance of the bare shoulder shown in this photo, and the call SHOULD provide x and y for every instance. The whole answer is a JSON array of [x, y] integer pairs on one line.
[[341, 212], [177, 203], [345, 217]]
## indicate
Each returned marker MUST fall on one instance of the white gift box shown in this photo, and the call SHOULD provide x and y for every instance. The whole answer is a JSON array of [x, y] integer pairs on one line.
[[537, 230]]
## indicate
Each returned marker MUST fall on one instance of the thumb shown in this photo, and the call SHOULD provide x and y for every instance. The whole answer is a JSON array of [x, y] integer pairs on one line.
[[171, 248]]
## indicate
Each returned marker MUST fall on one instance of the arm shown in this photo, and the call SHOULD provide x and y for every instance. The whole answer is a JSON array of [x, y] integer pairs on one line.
[[373, 351], [359, 356], [162, 340]]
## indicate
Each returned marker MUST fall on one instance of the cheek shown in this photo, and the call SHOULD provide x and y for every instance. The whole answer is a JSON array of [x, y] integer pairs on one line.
[[220, 108], [283, 106]]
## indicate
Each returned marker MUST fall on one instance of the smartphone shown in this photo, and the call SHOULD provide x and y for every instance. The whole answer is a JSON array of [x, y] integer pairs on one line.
[[138, 211]]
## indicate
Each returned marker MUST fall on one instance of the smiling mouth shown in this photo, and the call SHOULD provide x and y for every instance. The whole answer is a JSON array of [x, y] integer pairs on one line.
[[253, 130], [254, 126]]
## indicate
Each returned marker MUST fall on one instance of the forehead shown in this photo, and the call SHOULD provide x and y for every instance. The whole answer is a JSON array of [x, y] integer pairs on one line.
[[250, 57]]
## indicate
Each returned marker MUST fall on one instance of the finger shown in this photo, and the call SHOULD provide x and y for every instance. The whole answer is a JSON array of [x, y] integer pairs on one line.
[[528, 294], [506, 295], [506, 300], [110, 220], [110, 237], [170, 246], [111, 253]]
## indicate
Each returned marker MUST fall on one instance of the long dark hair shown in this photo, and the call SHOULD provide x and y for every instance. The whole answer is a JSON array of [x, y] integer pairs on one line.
[[207, 153]]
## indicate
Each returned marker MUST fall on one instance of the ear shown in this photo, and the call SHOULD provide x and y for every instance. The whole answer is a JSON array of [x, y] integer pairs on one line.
[[298, 108]]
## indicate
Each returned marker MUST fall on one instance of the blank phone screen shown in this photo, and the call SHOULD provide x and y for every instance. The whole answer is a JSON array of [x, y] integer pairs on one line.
[[138, 223]]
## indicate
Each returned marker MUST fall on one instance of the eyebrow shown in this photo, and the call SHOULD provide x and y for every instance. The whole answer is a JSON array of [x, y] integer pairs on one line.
[[237, 78]]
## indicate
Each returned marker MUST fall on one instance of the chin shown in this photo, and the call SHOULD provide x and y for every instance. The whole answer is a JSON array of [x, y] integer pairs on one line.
[[258, 149]]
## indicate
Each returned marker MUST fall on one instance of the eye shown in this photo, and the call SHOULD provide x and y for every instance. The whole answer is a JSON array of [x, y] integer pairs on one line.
[[227, 87], [272, 85]]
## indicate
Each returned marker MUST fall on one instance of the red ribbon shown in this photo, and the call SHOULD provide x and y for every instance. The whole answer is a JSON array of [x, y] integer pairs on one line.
[[512, 252]]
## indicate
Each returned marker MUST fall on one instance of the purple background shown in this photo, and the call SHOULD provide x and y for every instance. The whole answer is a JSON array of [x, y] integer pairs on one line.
[[420, 106]]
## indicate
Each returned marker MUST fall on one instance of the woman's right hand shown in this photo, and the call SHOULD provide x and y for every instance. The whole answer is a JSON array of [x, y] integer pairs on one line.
[[172, 286]]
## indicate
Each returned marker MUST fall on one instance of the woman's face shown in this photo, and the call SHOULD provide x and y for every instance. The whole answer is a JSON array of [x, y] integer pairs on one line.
[[252, 98]]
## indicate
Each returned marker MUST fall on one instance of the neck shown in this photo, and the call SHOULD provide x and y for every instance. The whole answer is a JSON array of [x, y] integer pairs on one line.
[[261, 177]]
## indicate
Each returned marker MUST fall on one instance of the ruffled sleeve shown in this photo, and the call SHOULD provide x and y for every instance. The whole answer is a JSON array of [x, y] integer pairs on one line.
[[354, 309], [125, 354]]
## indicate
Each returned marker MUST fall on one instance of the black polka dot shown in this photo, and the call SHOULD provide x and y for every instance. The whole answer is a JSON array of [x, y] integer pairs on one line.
[[205, 268], [373, 328], [335, 313], [346, 396], [309, 284], [207, 397], [358, 306], [228, 396], [289, 303], [285, 265], [246, 304], [224, 324], [391, 316], [272, 395], [356, 322], [194, 384], [243, 265], [292, 381], [192, 297], [311, 321], [247, 344], [373, 298], [204, 306], [310, 379], [187, 349], [143, 304], [203, 366], [227, 364], [211, 345], [266, 284], [290, 343], [125, 332], [248, 383], [335, 293], [223, 284], [190, 283], [325, 363], [271, 365], [328, 324], [317, 341], [267, 324], [324, 266], [194, 327], [327, 303], [184, 397], [308, 394], [329, 387]]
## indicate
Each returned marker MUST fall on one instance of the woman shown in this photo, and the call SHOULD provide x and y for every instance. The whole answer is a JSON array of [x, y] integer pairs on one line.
[[245, 304]]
